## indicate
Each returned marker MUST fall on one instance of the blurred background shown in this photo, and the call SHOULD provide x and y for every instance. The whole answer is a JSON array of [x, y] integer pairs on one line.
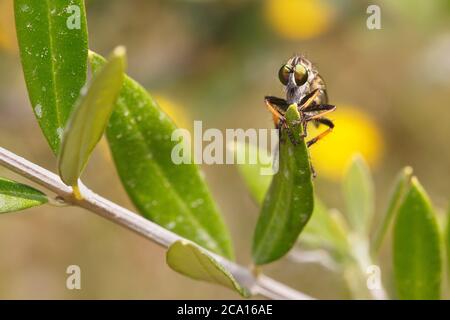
[[214, 60]]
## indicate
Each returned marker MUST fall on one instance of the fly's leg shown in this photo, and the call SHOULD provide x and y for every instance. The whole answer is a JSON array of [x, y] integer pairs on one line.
[[290, 133], [308, 100], [291, 136], [305, 129], [313, 171], [277, 107], [326, 122], [304, 124], [279, 127], [315, 113]]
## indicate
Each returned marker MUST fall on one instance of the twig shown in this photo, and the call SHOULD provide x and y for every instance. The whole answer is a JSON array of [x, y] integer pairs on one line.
[[262, 285], [319, 256], [361, 254]]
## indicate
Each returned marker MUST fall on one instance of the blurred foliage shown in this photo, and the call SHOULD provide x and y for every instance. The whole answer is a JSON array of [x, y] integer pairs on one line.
[[7, 32]]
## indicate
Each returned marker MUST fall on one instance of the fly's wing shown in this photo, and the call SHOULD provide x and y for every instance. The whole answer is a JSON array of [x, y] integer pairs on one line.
[[277, 106], [319, 83], [322, 97]]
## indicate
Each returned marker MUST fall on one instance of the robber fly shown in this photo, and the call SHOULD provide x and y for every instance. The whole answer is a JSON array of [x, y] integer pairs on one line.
[[305, 88]]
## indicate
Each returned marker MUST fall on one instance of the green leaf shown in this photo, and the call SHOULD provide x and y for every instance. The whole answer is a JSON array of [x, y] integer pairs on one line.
[[53, 46], [190, 260], [416, 247], [400, 188], [15, 196], [325, 229], [174, 196], [359, 196], [257, 183], [90, 117], [447, 246], [289, 201]]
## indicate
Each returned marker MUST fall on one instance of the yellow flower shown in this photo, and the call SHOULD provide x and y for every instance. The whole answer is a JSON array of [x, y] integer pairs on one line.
[[354, 132], [299, 19], [7, 27]]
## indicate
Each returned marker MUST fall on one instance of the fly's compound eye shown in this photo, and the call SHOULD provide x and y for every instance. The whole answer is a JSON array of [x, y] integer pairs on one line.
[[300, 74], [283, 74]]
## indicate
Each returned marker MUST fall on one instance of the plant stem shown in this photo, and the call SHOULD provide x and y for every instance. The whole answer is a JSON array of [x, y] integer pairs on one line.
[[262, 284], [361, 254]]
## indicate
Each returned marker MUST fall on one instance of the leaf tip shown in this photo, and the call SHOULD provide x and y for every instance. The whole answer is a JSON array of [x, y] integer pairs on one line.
[[358, 159], [408, 171], [193, 261], [415, 183], [292, 113], [119, 51]]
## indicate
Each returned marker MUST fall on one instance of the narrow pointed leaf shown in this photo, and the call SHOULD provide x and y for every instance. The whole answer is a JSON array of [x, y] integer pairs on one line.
[[173, 195], [257, 183], [15, 196], [401, 187], [359, 196], [53, 49], [190, 260], [417, 247], [90, 117], [324, 229], [447, 247], [289, 201]]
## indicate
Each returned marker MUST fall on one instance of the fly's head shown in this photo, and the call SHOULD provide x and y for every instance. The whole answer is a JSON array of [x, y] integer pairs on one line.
[[297, 75]]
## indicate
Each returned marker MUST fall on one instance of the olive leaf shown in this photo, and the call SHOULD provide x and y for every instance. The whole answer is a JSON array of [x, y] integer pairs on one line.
[[16, 196], [190, 260], [90, 117], [53, 45], [325, 229], [289, 202], [447, 245], [401, 186], [416, 247], [359, 196], [173, 195]]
